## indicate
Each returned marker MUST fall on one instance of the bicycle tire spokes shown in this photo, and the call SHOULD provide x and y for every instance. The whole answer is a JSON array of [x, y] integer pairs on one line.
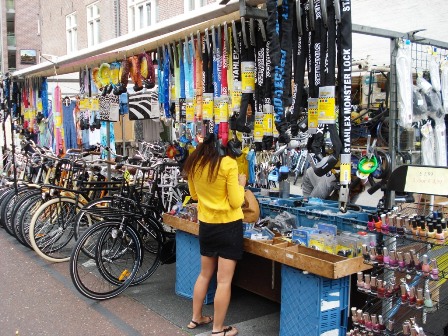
[[113, 265]]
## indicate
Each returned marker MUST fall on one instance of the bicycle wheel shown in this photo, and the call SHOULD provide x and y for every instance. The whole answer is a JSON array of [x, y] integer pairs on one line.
[[84, 220], [8, 205], [51, 229], [117, 255], [152, 239], [22, 208]]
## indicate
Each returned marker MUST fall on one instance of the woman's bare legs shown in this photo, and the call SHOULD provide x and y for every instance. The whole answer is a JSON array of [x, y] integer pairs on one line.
[[226, 269], [208, 266]]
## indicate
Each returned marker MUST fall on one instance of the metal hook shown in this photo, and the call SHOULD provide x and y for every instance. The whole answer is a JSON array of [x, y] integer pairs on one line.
[[214, 40], [263, 29], [324, 9], [199, 45], [176, 54], [299, 17], [252, 32], [226, 36], [192, 44], [311, 14], [243, 30], [235, 36], [187, 50], [337, 10], [207, 40], [219, 37]]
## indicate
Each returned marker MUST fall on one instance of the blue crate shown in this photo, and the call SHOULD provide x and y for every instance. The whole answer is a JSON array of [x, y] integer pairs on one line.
[[272, 209], [188, 266], [353, 221], [310, 215], [313, 201], [313, 305]]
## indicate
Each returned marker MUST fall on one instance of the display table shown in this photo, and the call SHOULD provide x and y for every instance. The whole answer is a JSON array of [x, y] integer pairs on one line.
[[311, 304]]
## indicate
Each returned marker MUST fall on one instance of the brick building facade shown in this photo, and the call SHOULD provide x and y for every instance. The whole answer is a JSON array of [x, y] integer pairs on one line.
[[41, 25]]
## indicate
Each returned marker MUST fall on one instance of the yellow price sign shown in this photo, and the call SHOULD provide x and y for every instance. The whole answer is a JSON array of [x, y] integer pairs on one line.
[[258, 127], [327, 105], [224, 109], [313, 116], [84, 104], [207, 106], [268, 123], [189, 110], [95, 104], [248, 77]]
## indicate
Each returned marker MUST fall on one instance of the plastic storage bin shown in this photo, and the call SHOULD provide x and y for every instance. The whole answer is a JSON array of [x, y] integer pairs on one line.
[[272, 207], [188, 266], [313, 305], [353, 221], [310, 215]]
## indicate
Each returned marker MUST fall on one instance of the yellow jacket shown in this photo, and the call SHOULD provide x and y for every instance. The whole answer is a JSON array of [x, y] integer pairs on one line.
[[219, 201]]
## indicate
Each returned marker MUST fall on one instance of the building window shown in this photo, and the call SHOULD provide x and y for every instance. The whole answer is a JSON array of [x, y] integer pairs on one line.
[[71, 32], [93, 24], [190, 5], [142, 13]]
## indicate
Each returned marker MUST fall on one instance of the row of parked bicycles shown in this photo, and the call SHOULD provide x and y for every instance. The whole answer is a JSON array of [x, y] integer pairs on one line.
[[109, 230]]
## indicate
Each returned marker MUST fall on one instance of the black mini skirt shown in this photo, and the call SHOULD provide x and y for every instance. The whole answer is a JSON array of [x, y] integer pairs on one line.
[[222, 240]]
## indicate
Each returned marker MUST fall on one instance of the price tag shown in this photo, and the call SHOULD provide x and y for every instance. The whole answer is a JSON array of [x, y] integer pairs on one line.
[[207, 106], [94, 104], [327, 105], [313, 118], [236, 96], [258, 127], [224, 109], [216, 112], [427, 180], [248, 77], [39, 105], [189, 110], [84, 104], [268, 120]]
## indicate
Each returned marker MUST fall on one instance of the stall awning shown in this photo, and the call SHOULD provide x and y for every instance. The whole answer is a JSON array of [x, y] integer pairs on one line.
[[148, 39]]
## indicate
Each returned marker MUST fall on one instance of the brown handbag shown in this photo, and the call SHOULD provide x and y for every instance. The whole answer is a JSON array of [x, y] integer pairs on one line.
[[251, 209]]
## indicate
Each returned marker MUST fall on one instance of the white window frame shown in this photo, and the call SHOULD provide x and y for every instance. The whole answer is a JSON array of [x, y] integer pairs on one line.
[[71, 28], [138, 14], [93, 24], [190, 5]]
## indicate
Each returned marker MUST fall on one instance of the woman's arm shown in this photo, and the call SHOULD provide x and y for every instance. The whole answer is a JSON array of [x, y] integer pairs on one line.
[[193, 193], [234, 189]]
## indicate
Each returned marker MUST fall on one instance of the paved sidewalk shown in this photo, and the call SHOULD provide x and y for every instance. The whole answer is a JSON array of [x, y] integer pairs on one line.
[[38, 298]]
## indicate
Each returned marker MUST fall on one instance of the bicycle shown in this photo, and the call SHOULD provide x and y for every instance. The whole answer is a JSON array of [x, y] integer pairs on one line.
[[130, 235]]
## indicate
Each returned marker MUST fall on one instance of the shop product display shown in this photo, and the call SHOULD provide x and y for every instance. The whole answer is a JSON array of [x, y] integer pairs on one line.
[[273, 91]]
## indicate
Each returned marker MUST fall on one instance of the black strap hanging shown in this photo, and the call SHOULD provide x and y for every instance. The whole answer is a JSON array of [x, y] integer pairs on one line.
[[344, 74], [300, 48], [279, 32]]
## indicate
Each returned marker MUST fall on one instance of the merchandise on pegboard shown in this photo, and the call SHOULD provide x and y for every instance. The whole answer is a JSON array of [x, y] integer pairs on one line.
[[109, 108]]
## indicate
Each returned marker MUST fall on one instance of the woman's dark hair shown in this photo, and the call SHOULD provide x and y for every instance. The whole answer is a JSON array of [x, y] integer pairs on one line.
[[205, 153]]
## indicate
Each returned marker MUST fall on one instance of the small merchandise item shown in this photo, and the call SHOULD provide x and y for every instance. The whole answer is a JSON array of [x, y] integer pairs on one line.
[[301, 235], [330, 229], [346, 246], [251, 208]]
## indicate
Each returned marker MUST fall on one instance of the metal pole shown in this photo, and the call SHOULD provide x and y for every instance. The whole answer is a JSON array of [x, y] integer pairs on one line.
[[108, 152], [389, 195], [11, 119], [122, 135]]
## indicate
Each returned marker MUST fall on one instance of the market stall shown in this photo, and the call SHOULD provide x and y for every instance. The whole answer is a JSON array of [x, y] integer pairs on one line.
[[279, 95]]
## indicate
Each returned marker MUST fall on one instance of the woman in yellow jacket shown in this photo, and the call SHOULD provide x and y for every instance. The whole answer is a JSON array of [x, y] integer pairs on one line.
[[214, 182]]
